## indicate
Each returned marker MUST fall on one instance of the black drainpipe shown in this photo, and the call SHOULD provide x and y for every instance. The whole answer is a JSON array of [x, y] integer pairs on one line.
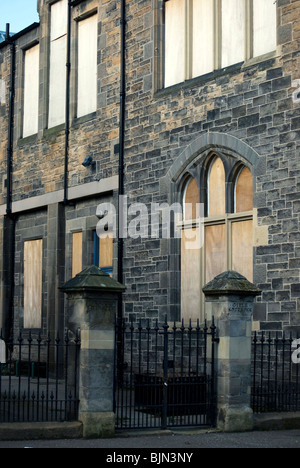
[[10, 120], [67, 121], [10, 223], [121, 147]]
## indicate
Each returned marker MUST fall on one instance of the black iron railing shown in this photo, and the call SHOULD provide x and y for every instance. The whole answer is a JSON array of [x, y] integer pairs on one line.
[[39, 378], [165, 375], [275, 374]]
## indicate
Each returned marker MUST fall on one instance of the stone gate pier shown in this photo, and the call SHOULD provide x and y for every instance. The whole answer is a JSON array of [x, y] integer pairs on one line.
[[230, 299]]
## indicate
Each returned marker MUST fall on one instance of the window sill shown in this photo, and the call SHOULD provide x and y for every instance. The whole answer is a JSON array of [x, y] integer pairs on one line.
[[204, 79], [199, 80], [259, 59], [85, 118], [27, 140], [53, 131]]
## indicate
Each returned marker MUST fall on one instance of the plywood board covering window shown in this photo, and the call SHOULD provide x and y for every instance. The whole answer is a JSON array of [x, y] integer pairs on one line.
[[264, 32], [58, 53], [233, 31], [174, 42], [31, 91], [191, 200], [76, 253], [244, 191], [190, 279], [242, 246], [228, 230], [87, 66], [215, 238], [33, 268], [105, 252], [216, 185], [205, 35]]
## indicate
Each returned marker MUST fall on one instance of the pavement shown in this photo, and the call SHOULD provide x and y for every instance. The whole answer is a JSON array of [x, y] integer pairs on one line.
[[184, 442]]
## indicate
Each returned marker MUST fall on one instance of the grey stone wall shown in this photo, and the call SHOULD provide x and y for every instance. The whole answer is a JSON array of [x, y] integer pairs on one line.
[[253, 104], [248, 109]]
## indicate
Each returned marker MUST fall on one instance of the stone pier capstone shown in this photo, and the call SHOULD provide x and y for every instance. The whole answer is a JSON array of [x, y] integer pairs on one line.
[[92, 307], [229, 299]]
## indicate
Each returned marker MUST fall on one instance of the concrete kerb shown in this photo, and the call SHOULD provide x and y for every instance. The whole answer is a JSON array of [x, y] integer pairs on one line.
[[41, 431], [74, 430]]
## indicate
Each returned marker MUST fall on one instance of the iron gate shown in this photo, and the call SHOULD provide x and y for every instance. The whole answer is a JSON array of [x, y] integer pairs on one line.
[[164, 375], [39, 378]]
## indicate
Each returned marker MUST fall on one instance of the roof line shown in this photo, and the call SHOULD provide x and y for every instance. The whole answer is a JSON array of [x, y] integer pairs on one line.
[[19, 34]]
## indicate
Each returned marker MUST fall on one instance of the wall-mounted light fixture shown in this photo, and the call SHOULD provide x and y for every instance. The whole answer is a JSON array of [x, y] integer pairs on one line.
[[88, 162]]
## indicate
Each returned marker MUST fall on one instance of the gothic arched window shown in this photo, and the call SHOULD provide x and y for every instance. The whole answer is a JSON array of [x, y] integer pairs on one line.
[[226, 243]]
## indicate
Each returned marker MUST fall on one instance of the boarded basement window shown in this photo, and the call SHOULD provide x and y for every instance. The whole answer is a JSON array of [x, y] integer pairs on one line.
[[33, 269]]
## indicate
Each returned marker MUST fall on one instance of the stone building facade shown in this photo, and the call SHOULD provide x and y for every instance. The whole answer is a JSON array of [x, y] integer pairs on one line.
[[216, 133]]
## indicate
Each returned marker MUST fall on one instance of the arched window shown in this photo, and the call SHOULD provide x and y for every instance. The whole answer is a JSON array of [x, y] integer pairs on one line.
[[243, 191], [227, 241], [191, 199], [216, 188]]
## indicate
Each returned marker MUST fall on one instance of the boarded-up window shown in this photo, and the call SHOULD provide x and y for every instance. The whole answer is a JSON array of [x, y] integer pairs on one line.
[[2, 352], [216, 186], [76, 253], [191, 200], [204, 35], [264, 26], [242, 248], [228, 236], [215, 251], [31, 91], [174, 42], [244, 191], [103, 252], [33, 269], [58, 51], [190, 277], [87, 66], [233, 31]]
